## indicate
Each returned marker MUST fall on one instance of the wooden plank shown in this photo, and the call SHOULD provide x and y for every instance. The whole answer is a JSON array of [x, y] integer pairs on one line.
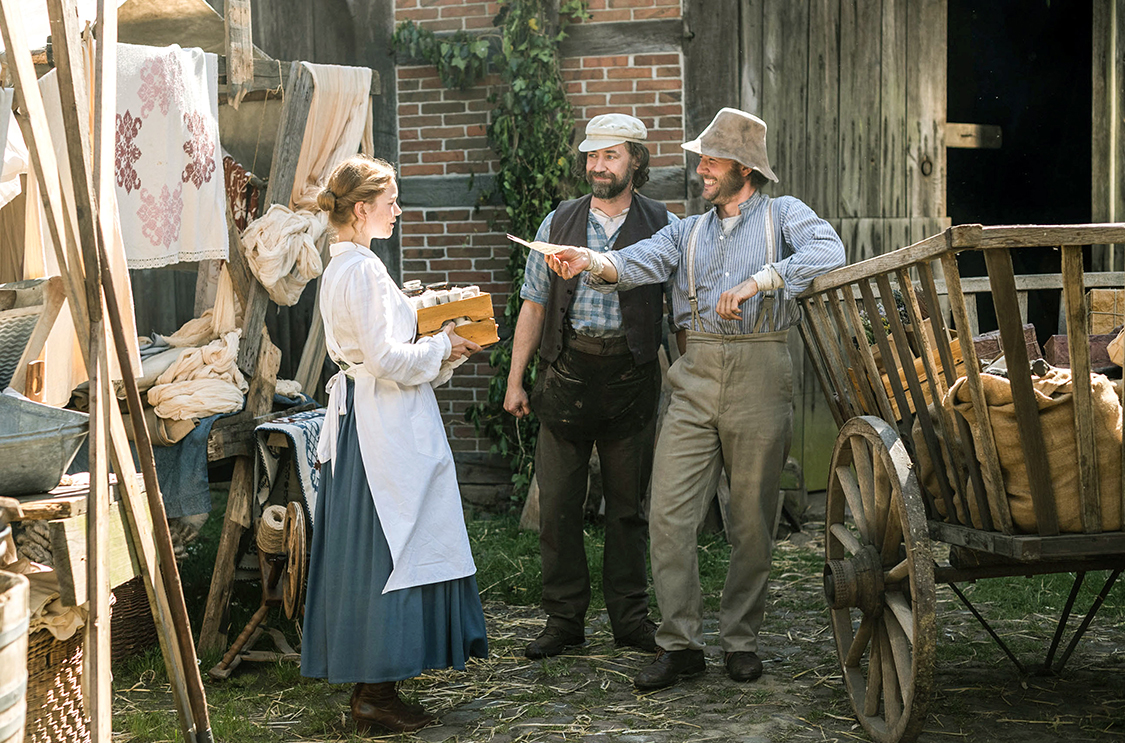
[[899, 394], [1074, 298], [860, 85], [926, 250], [54, 295], [785, 59], [1050, 235], [867, 358], [892, 134], [822, 138], [819, 365], [1041, 281], [68, 545], [259, 400], [833, 365], [1000, 271], [982, 436], [711, 81], [233, 436], [863, 385], [239, 48], [752, 73], [973, 136], [926, 28], [616, 38], [1105, 189]]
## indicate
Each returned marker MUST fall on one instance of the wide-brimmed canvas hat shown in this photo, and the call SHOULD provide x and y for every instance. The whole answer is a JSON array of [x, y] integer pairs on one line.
[[735, 135], [608, 130]]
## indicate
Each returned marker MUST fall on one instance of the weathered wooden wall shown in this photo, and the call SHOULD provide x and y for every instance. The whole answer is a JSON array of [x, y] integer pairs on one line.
[[853, 93], [1108, 140]]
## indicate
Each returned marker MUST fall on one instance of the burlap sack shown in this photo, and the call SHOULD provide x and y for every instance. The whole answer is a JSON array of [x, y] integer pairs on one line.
[[959, 481], [1055, 397]]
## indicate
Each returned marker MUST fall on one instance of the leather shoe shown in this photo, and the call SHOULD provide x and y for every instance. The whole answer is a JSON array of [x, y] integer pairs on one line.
[[379, 706], [551, 641], [744, 666], [668, 667], [642, 638]]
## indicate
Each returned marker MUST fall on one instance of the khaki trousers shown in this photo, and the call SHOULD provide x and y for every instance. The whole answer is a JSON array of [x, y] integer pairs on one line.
[[731, 408]]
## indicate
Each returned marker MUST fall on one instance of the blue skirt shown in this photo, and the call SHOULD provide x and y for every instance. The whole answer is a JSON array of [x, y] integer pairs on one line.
[[354, 633]]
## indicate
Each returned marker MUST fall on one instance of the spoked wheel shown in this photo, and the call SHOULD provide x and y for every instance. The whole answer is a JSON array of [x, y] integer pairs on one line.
[[879, 580]]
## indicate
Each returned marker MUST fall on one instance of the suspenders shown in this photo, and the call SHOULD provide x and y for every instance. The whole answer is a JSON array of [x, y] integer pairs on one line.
[[769, 299]]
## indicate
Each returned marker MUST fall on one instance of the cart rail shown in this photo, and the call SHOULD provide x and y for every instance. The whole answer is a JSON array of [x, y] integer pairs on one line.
[[924, 274]]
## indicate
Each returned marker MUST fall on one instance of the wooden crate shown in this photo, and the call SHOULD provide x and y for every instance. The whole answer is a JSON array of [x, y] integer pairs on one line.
[[482, 329], [920, 370]]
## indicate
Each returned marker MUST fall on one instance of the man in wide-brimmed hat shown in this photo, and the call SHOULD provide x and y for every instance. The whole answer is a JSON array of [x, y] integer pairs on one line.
[[734, 273], [599, 383]]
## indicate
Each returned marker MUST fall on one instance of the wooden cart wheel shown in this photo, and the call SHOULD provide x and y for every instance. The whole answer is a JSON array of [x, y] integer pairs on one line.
[[879, 580], [296, 551]]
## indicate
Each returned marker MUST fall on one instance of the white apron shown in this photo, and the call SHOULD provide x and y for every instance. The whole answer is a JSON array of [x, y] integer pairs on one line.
[[406, 456]]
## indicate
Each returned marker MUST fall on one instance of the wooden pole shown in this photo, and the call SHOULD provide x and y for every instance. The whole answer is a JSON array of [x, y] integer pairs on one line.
[[32, 120]]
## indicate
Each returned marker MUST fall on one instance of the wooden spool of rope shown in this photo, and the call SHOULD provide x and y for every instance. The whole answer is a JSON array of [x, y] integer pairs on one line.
[[296, 550], [271, 531]]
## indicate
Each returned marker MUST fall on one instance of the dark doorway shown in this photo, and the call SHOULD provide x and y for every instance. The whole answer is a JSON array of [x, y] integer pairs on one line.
[[1024, 65]]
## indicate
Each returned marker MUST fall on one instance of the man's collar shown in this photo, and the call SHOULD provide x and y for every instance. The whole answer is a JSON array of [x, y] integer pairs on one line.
[[750, 202]]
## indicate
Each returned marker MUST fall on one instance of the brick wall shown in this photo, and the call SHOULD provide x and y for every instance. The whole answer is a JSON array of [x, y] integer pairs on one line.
[[442, 133]]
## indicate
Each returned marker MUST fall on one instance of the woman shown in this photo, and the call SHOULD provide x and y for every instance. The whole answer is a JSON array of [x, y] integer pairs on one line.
[[391, 590]]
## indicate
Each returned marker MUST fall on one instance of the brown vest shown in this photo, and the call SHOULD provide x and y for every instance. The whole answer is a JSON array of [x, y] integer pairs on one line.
[[642, 308]]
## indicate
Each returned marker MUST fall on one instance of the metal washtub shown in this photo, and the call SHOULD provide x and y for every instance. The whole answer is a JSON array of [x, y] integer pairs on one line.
[[37, 444]]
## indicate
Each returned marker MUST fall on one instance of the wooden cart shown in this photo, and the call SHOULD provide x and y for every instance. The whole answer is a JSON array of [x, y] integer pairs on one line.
[[881, 523]]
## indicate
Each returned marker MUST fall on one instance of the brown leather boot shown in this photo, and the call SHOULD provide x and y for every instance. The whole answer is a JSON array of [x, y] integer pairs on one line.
[[379, 705]]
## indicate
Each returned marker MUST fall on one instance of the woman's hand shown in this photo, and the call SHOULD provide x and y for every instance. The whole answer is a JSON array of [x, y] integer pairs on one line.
[[569, 263], [729, 301], [459, 347]]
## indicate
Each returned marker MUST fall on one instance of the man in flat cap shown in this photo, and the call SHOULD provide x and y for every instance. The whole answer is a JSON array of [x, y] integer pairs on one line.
[[599, 383], [735, 272]]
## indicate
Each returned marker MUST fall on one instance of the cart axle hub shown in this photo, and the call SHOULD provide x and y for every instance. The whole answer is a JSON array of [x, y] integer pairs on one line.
[[855, 582]]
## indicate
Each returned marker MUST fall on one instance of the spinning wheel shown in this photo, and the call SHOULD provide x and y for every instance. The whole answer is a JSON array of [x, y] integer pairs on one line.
[[879, 580], [296, 565], [283, 559]]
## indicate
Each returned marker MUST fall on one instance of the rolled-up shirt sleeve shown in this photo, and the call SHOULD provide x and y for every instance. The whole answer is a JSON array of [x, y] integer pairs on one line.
[[650, 261], [816, 246]]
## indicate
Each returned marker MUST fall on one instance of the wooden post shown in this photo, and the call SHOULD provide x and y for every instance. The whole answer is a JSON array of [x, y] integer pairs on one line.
[[96, 271], [257, 356]]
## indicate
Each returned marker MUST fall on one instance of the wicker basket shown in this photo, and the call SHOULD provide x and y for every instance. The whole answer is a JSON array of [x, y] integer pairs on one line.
[[13, 650], [131, 629], [54, 690]]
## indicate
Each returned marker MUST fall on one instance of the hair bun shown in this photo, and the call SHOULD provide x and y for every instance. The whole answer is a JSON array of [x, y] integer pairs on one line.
[[326, 200]]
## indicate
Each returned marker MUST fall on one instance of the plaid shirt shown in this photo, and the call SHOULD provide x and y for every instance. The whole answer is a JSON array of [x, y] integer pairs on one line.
[[592, 312], [806, 245]]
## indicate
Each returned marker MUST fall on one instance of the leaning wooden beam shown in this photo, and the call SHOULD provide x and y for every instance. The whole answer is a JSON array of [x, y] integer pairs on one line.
[[96, 655], [252, 352], [33, 124], [259, 399]]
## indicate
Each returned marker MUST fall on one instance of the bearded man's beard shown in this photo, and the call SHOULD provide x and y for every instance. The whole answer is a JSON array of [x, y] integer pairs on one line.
[[730, 183], [610, 189]]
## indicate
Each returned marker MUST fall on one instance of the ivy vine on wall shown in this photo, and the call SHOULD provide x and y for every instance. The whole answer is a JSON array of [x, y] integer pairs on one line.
[[530, 130]]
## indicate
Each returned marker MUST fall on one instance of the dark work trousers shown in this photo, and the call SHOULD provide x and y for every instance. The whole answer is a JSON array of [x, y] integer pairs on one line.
[[562, 470]]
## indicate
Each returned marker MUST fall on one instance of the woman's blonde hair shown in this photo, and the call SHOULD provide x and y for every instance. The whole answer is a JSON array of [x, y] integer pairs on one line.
[[359, 178]]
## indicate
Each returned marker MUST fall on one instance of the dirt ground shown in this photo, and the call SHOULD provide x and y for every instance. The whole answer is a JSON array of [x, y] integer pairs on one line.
[[588, 695]]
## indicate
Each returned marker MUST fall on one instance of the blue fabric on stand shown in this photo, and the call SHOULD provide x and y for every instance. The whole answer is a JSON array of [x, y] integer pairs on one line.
[[181, 470], [354, 633]]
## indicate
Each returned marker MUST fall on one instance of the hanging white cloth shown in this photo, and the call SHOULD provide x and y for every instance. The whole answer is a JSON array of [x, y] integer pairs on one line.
[[170, 184], [369, 326], [339, 126]]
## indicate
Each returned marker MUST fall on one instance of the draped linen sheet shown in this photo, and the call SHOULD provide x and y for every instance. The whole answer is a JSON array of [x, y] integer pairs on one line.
[[169, 175]]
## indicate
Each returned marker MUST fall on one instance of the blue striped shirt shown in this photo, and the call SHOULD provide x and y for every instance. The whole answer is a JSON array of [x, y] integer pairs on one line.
[[806, 246], [592, 312]]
